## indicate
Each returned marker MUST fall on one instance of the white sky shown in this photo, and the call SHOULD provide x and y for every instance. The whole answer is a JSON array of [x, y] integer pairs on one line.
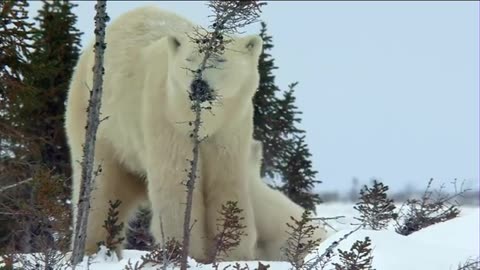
[[387, 89]]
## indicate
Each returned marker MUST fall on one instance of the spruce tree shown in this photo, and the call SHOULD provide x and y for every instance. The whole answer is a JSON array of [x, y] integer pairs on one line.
[[299, 176], [56, 49], [15, 36], [138, 234], [15, 45], [286, 116], [375, 208], [15, 42], [285, 154], [37, 67], [264, 103], [296, 167]]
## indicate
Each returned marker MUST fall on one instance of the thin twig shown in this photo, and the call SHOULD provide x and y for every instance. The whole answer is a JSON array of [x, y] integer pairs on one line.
[[327, 218], [332, 246], [228, 16], [324, 221], [2, 189], [471, 264]]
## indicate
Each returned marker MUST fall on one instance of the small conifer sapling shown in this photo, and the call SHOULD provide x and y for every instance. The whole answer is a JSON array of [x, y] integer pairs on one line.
[[375, 208]]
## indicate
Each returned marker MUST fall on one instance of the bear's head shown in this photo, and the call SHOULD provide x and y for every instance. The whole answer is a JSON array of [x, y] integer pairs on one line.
[[230, 74]]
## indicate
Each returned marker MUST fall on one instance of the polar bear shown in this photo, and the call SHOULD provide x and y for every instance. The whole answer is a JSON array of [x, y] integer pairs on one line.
[[272, 210], [143, 143]]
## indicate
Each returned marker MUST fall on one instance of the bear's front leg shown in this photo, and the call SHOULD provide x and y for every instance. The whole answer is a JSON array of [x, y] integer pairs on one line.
[[226, 179], [167, 174], [113, 183]]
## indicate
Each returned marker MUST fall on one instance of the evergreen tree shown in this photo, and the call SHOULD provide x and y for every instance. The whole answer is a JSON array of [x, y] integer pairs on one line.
[[299, 177], [15, 42], [286, 116], [375, 208], [37, 63], [296, 167], [264, 103], [56, 50], [15, 45], [15, 36], [138, 233], [285, 153]]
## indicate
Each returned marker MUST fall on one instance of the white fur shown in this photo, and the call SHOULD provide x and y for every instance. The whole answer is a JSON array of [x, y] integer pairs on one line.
[[272, 210], [144, 145]]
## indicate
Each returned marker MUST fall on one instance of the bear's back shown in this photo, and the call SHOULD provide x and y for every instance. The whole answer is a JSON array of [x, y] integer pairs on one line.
[[141, 26]]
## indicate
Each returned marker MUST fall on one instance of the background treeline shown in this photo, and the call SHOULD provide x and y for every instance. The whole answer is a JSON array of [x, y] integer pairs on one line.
[[36, 62]]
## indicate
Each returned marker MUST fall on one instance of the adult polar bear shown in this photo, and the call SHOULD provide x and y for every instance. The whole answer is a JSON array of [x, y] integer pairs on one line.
[[144, 145]]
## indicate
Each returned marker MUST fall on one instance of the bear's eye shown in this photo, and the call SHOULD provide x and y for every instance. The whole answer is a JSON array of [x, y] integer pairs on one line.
[[189, 59]]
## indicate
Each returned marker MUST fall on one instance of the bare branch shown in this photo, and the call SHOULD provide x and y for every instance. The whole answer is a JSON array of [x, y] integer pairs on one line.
[[324, 220], [330, 248], [470, 264], [228, 17], [2, 189], [327, 218], [427, 210], [93, 121]]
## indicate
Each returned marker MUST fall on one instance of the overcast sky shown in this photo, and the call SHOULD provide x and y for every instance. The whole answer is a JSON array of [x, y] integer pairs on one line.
[[388, 89]]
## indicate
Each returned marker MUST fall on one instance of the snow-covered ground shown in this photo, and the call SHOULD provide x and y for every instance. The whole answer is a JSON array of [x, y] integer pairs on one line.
[[439, 247]]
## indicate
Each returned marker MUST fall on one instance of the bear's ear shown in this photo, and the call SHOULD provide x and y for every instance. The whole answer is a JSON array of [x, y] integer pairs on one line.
[[257, 150], [254, 44], [174, 43]]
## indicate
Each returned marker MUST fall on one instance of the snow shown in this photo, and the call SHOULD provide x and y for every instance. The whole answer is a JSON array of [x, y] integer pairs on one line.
[[439, 247]]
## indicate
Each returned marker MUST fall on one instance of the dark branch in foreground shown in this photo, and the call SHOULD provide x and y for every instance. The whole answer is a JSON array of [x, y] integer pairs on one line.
[[93, 121], [228, 17]]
